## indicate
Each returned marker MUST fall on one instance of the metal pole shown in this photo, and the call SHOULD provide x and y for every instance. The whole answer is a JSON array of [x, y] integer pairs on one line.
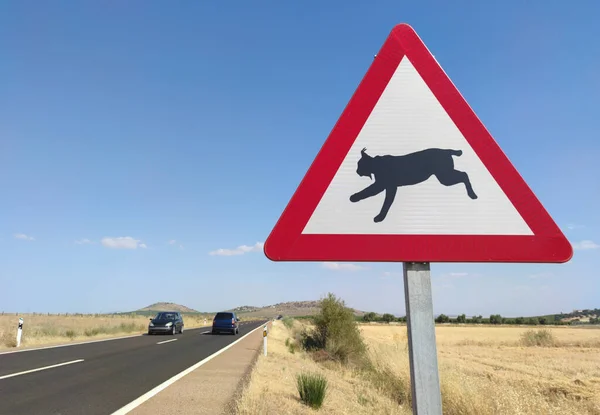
[[425, 381], [19, 331], [265, 341]]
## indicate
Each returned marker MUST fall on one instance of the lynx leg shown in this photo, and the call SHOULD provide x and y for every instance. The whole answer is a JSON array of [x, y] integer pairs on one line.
[[390, 195], [370, 191], [454, 177]]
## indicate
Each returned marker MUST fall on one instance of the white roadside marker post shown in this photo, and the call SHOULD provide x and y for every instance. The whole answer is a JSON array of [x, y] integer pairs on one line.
[[265, 340], [424, 375], [19, 331]]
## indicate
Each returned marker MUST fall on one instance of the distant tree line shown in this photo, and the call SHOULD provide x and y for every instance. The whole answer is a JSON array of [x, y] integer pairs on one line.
[[495, 319]]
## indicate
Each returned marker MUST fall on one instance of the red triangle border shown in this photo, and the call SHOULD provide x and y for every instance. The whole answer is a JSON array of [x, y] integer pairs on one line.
[[287, 243]]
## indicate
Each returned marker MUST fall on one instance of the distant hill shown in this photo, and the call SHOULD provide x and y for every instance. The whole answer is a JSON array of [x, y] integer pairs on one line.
[[582, 316], [292, 308], [167, 307], [245, 309]]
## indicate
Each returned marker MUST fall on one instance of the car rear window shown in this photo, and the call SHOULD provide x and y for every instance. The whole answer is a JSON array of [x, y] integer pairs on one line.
[[166, 316], [224, 316]]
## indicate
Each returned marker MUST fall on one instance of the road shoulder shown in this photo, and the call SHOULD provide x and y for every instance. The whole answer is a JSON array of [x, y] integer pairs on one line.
[[210, 389]]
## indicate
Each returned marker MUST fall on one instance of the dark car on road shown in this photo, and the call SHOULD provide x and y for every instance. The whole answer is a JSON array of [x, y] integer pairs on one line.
[[166, 322], [226, 321]]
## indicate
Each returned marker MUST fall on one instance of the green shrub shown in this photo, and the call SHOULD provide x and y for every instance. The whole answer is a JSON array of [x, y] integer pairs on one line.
[[70, 333], [312, 389], [91, 332], [288, 322], [291, 345], [336, 332], [541, 337]]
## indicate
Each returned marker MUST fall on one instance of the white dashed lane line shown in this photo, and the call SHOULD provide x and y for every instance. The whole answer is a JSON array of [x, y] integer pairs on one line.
[[167, 341], [40, 368]]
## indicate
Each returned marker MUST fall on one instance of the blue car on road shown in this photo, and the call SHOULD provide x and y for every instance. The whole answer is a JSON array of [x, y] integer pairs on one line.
[[225, 321]]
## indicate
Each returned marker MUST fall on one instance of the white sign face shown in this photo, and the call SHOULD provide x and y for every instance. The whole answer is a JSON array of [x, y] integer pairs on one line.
[[409, 119]]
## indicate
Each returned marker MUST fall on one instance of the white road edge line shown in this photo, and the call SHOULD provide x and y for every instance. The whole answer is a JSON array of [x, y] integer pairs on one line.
[[81, 343], [134, 404], [167, 341], [41, 368], [204, 332]]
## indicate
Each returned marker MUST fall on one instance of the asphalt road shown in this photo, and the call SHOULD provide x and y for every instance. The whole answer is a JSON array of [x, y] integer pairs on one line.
[[103, 376]]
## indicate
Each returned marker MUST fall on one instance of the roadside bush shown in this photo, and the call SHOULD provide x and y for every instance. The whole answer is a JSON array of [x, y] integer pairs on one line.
[[91, 332], [291, 345], [70, 334], [312, 389], [8, 339], [288, 322], [336, 332], [541, 338]]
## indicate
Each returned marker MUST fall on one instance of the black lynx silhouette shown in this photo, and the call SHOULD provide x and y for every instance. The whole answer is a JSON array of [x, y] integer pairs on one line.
[[392, 172]]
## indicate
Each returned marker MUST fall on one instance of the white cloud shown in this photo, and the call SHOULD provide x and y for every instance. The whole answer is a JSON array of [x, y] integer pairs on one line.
[[336, 266], [83, 241], [458, 274], [24, 237], [240, 250], [173, 242], [392, 274], [572, 226], [585, 245], [122, 242]]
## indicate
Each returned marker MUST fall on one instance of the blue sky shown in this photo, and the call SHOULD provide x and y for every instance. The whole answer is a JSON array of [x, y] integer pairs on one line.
[[194, 122]]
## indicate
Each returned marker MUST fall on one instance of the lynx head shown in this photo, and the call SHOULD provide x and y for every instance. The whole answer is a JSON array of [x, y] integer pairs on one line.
[[365, 165]]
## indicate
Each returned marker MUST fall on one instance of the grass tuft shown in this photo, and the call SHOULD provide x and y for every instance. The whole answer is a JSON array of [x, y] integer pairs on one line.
[[288, 322], [390, 384], [539, 338], [312, 389]]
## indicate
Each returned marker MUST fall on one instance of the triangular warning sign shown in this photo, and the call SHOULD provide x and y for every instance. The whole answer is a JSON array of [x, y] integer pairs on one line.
[[410, 174]]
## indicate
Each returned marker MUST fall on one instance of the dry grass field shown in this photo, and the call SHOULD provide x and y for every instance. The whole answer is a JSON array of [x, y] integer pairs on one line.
[[483, 371], [42, 330]]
